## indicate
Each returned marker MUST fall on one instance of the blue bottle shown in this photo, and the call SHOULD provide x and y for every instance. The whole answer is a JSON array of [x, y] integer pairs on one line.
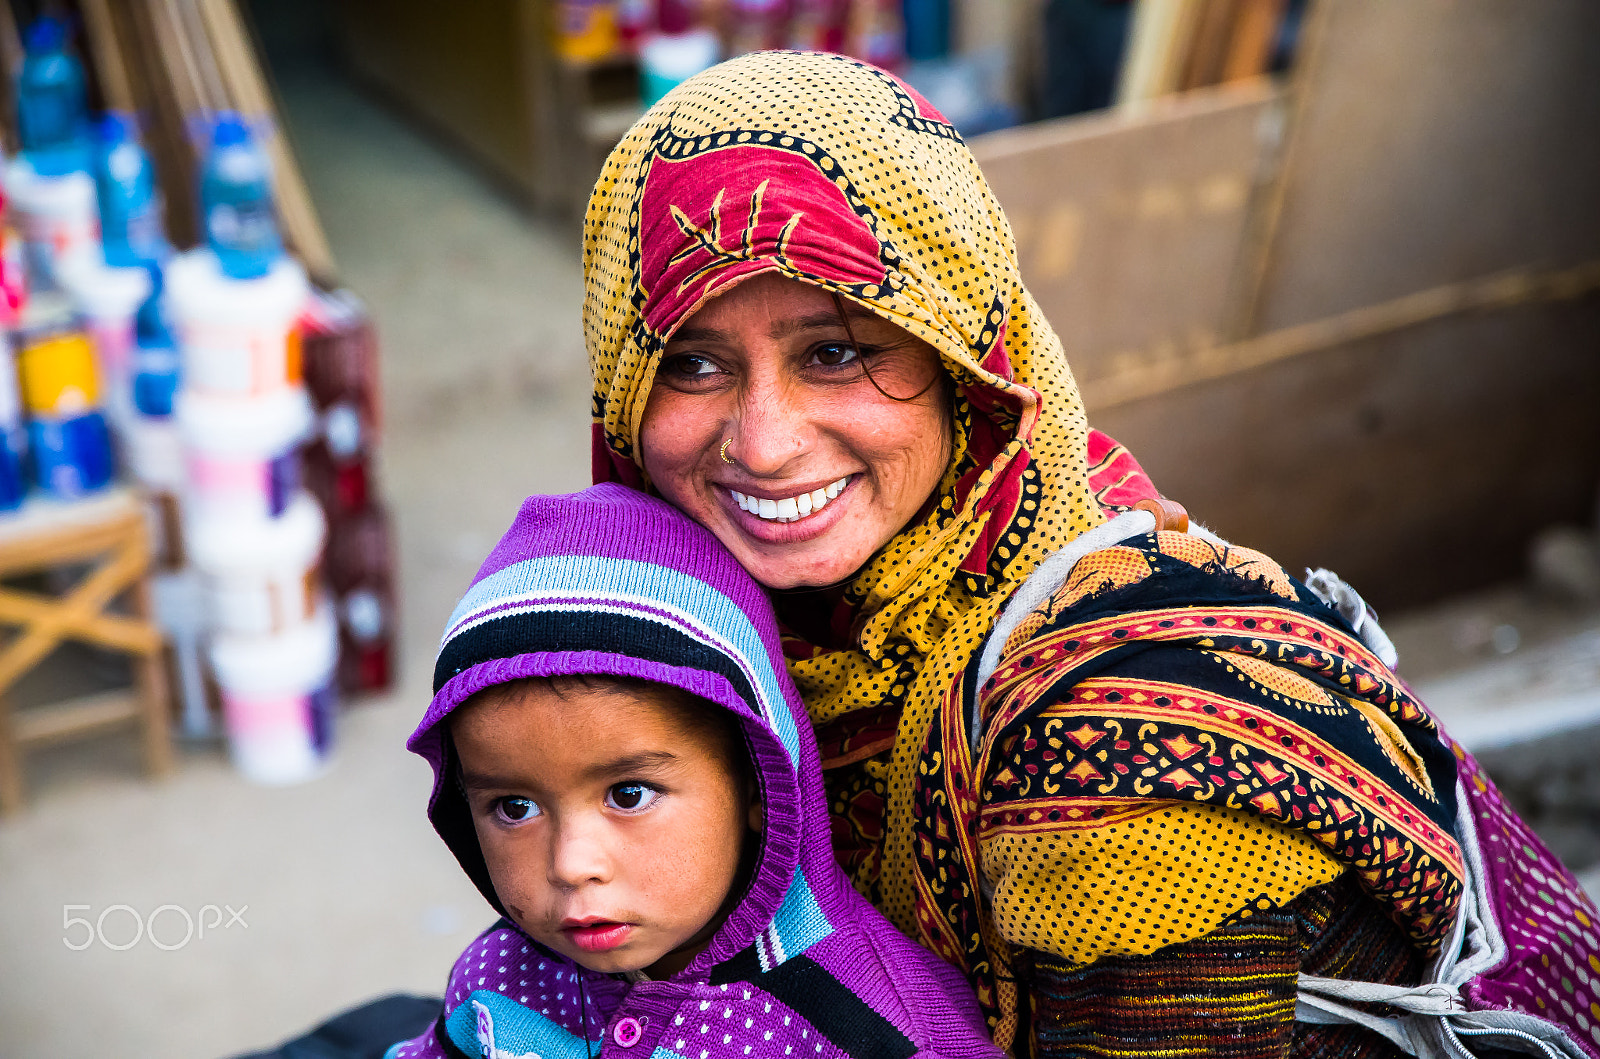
[[927, 29], [71, 457], [130, 204], [13, 432], [156, 362], [236, 201], [52, 104]]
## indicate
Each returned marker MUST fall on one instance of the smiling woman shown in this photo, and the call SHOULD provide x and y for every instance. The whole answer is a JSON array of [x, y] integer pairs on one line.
[[1132, 781]]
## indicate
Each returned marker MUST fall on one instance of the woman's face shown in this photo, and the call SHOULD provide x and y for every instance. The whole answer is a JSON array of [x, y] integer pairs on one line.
[[825, 468]]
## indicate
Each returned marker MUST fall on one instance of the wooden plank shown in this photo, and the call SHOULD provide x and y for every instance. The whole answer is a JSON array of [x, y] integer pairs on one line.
[[199, 54], [1436, 141], [161, 113], [1415, 463], [10, 68], [1159, 42], [111, 70], [1255, 28], [43, 530], [1128, 226], [1158, 375], [40, 725], [1210, 43]]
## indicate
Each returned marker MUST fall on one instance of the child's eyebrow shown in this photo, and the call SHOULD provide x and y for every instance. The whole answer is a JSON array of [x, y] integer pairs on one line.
[[645, 759], [473, 781]]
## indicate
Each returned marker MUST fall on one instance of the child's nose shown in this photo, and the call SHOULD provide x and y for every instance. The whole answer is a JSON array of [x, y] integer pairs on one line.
[[579, 856]]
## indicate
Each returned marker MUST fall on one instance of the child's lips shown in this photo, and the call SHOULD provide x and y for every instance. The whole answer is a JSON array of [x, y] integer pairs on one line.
[[597, 935]]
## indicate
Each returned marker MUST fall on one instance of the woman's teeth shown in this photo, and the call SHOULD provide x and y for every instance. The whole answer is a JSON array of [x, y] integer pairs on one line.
[[790, 508]]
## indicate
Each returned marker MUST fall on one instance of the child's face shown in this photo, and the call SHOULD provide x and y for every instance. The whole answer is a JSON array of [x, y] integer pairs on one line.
[[611, 827]]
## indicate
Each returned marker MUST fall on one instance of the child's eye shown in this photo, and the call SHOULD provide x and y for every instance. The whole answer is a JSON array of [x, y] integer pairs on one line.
[[516, 810], [631, 796]]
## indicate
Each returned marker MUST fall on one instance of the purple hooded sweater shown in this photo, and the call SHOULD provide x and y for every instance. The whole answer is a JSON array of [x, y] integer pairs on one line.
[[609, 581]]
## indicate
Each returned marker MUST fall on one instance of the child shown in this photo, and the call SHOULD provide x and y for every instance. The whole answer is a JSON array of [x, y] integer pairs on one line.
[[624, 769]]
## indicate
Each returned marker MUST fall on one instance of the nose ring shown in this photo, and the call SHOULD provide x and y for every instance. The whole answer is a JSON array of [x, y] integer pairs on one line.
[[723, 452]]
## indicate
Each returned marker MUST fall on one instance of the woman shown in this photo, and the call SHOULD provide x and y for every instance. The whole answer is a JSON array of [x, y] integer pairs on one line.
[[1186, 780]]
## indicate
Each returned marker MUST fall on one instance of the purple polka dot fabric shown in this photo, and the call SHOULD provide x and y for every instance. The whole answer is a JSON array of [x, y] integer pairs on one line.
[[1551, 927]]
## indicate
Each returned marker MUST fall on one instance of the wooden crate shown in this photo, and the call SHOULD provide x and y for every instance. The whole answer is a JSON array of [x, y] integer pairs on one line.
[[1384, 355], [483, 76]]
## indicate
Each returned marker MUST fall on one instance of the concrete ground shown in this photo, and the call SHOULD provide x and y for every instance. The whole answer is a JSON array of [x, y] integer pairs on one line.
[[342, 890]]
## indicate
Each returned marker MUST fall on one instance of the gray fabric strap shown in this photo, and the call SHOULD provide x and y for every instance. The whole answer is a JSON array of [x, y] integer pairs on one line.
[[1437, 1023]]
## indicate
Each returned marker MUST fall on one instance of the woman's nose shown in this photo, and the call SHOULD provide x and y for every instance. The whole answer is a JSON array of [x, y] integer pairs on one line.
[[578, 856], [771, 430]]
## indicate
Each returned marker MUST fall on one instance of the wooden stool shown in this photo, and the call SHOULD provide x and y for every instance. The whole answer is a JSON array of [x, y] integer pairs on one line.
[[109, 534]]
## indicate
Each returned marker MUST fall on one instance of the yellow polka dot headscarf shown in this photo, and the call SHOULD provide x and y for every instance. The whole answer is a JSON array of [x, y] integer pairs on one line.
[[834, 173]]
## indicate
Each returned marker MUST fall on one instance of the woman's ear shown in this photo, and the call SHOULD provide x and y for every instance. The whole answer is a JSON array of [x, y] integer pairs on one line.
[[756, 815]]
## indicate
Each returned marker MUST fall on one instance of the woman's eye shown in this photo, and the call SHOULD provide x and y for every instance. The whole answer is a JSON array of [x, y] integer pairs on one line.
[[630, 796], [688, 364], [834, 354], [516, 810]]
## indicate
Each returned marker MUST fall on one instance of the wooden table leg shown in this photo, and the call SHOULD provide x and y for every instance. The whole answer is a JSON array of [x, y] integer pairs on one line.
[[155, 702], [10, 765]]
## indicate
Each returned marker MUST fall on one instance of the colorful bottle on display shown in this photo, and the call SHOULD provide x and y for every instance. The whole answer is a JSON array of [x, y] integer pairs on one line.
[[635, 18], [52, 102], [157, 365], [131, 229], [68, 440], [585, 30], [927, 29], [756, 25], [71, 457], [678, 52], [818, 25], [13, 275], [360, 568], [876, 33], [13, 432], [236, 203]]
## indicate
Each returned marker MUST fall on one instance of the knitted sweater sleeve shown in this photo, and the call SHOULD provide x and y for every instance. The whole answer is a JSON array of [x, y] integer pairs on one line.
[[1230, 993]]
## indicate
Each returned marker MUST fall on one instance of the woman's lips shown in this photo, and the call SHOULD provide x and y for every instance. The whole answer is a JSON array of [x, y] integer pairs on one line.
[[597, 936], [804, 529]]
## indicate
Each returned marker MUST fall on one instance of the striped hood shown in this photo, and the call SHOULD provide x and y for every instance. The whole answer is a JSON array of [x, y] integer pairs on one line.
[[608, 581]]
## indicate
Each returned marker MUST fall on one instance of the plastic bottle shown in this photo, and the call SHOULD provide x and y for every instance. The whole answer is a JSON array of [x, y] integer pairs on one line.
[[927, 29], [68, 439], [51, 102], [635, 18], [755, 25], [236, 201], [676, 54], [131, 229], [585, 30], [876, 33], [818, 25], [157, 365], [13, 432], [360, 570], [13, 273]]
